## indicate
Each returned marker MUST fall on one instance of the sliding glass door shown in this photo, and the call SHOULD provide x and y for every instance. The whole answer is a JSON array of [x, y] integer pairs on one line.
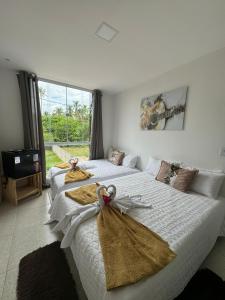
[[66, 113]]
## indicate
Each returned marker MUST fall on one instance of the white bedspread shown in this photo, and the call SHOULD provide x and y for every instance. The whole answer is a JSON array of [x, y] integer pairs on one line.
[[104, 170], [190, 223]]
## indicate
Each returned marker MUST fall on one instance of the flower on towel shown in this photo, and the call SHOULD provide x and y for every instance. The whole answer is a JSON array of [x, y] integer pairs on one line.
[[106, 194], [106, 199]]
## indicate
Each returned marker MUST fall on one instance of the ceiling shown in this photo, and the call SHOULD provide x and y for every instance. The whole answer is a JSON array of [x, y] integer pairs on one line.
[[56, 39]]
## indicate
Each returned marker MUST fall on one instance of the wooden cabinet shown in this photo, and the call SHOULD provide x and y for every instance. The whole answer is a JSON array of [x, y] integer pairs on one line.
[[15, 190]]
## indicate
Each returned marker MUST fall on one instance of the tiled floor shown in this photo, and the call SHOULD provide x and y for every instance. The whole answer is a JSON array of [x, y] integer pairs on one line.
[[216, 259], [22, 231]]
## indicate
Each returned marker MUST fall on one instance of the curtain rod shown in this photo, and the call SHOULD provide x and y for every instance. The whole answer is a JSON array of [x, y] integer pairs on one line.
[[65, 84]]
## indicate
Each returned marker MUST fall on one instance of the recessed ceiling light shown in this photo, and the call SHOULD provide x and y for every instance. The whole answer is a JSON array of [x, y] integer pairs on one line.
[[106, 32]]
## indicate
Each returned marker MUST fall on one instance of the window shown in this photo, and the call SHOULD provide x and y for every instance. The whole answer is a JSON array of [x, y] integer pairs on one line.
[[66, 113]]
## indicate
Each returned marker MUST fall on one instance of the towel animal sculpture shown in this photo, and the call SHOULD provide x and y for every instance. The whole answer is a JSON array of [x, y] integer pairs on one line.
[[73, 162], [130, 250], [76, 173]]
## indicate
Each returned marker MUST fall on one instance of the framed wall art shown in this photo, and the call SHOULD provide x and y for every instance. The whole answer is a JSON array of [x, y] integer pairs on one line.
[[164, 111]]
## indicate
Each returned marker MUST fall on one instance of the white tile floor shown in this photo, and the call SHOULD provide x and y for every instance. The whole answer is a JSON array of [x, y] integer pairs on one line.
[[22, 231]]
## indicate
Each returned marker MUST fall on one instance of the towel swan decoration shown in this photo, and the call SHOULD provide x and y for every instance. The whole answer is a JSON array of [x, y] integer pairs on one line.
[[106, 196], [73, 162]]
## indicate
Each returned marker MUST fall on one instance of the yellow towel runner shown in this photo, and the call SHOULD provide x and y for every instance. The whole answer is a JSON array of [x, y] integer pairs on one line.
[[85, 194], [130, 250], [63, 165], [77, 175]]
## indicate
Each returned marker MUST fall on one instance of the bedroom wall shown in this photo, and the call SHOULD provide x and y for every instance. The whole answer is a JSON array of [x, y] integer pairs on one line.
[[11, 124], [203, 136]]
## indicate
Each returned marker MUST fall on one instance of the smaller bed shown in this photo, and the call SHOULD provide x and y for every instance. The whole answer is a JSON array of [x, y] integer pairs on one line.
[[104, 170]]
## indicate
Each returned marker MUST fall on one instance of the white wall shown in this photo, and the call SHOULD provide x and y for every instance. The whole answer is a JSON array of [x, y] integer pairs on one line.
[[204, 133], [11, 123]]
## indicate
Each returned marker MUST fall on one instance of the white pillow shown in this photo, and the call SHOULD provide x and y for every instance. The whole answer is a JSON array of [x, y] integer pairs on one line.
[[208, 183], [153, 166], [110, 151], [130, 161]]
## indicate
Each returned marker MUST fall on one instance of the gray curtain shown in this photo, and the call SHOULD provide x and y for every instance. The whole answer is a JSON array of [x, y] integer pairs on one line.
[[32, 123], [96, 145]]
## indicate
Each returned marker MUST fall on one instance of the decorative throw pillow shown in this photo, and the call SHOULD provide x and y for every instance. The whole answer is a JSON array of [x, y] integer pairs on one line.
[[184, 179], [175, 176], [163, 171], [117, 157]]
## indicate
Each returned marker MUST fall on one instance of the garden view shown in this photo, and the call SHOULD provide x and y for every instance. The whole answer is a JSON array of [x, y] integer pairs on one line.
[[65, 121]]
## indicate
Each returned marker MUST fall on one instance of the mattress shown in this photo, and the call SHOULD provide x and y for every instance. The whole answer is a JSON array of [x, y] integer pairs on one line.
[[189, 223], [104, 170]]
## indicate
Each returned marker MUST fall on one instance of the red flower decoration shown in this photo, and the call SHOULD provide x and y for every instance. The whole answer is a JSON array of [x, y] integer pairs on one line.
[[106, 199]]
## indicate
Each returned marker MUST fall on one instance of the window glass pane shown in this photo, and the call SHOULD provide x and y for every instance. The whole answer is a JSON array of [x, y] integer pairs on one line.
[[74, 95], [52, 92], [78, 108], [66, 122], [53, 120]]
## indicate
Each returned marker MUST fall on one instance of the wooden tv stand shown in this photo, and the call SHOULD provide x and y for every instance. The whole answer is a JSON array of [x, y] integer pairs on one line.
[[15, 190]]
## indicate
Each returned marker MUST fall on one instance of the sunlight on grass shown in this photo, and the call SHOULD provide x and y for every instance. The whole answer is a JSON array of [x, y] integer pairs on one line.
[[51, 159], [78, 151]]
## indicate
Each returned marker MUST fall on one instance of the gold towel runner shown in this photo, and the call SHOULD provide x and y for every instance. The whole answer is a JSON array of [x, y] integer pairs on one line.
[[63, 165], [85, 194], [130, 250], [77, 175]]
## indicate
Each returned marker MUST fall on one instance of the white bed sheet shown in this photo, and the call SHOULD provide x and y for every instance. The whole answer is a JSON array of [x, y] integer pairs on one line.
[[53, 171], [104, 170], [190, 223]]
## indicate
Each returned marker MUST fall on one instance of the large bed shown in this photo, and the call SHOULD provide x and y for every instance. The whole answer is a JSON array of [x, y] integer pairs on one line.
[[190, 223], [102, 169]]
